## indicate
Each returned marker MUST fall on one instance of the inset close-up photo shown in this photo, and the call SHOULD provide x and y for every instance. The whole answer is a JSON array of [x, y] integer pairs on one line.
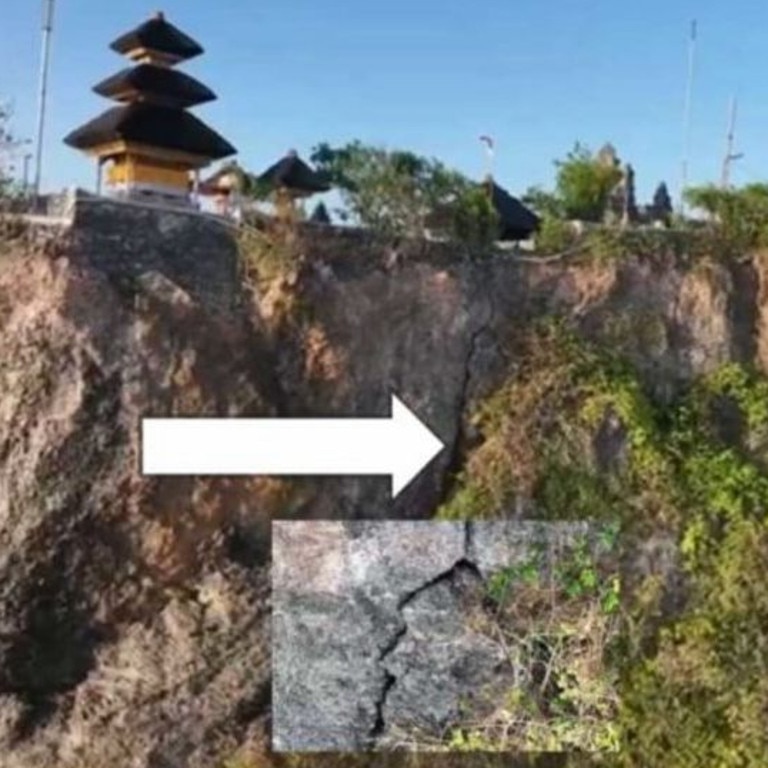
[[443, 636]]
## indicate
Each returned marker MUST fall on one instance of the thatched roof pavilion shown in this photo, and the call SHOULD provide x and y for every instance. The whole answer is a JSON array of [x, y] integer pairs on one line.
[[293, 176]]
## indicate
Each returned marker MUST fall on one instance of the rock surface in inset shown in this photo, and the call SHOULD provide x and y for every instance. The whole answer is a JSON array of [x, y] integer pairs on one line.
[[382, 636], [441, 660]]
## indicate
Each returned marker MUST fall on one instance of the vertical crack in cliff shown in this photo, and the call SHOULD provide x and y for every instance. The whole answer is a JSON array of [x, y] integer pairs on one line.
[[459, 447], [469, 549], [463, 563], [744, 309]]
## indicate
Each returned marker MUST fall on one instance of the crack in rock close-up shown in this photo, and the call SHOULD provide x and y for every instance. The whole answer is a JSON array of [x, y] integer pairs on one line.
[[381, 632]]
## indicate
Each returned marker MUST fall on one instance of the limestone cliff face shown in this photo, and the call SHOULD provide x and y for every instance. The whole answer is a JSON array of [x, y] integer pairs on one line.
[[443, 332], [133, 610]]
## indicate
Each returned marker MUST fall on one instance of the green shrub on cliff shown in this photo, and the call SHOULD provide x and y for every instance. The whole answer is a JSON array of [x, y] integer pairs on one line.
[[554, 235], [740, 214], [472, 219], [694, 682], [583, 185], [557, 613]]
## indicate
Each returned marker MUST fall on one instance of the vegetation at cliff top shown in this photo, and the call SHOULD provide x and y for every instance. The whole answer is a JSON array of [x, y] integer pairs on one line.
[[9, 142], [397, 193], [583, 185], [740, 214], [400, 194], [5, 142]]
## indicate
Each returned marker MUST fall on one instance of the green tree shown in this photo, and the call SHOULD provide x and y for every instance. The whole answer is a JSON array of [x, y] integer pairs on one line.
[[320, 214], [662, 203], [398, 193], [584, 184], [11, 187], [7, 144], [472, 219], [546, 204], [741, 214]]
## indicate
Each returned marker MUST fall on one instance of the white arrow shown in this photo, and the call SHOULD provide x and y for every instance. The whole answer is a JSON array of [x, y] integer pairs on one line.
[[399, 446]]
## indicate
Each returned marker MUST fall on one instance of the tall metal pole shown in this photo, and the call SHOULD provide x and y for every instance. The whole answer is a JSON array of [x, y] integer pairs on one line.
[[729, 155], [27, 158], [687, 114], [43, 92]]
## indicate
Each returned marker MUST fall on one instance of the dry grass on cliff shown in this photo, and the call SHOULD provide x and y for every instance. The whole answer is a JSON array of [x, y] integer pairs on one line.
[[537, 444], [264, 256], [14, 234], [269, 249], [557, 617], [19, 238]]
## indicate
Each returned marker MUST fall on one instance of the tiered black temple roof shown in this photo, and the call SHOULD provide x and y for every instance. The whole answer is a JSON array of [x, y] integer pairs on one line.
[[156, 97], [293, 174], [159, 36], [154, 84], [154, 126]]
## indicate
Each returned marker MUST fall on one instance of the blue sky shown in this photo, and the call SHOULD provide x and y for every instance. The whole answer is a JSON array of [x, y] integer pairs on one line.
[[429, 76]]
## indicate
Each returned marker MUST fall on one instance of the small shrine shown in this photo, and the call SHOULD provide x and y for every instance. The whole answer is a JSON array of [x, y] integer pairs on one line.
[[516, 221], [152, 145], [291, 179], [320, 215]]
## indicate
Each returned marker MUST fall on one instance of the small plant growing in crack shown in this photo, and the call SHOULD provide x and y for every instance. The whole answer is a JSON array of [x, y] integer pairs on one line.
[[527, 572], [557, 615]]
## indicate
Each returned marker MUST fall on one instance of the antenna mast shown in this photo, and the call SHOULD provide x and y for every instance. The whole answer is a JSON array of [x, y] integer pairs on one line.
[[687, 114], [43, 91], [490, 147], [729, 155]]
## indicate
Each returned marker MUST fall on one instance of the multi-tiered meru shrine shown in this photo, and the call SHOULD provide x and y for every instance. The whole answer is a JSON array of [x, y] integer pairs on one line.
[[152, 146]]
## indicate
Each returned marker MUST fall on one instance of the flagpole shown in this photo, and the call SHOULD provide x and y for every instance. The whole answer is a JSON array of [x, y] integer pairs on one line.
[[687, 115], [43, 92], [725, 180], [489, 155]]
